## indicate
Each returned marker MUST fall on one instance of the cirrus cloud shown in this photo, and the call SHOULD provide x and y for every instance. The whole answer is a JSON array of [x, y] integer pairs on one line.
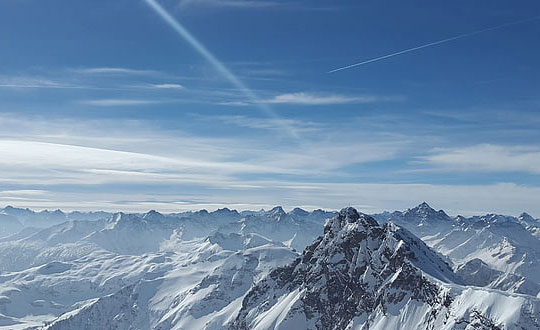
[[303, 98]]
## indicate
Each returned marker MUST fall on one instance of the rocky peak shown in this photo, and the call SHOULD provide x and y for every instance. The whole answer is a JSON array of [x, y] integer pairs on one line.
[[299, 212], [422, 213], [423, 209], [277, 213], [226, 212], [349, 214], [527, 218], [153, 215], [349, 219], [375, 265]]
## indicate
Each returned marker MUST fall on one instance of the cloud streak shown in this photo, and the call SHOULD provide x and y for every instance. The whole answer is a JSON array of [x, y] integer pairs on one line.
[[117, 71], [487, 158], [435, 43], [319, 99], [119, 102], [167, 86], [213, 60]]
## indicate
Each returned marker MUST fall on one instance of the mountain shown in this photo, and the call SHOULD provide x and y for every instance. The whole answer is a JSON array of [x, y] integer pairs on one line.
[[80, 265], [295, 229], [241, 270], [422, 219], [9, 225], [478, 273], [507, 245], [360, 275], [191, 293], [46, 218]]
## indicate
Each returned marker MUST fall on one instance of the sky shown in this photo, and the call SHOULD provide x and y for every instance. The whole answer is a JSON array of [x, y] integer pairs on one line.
[[190, 104]]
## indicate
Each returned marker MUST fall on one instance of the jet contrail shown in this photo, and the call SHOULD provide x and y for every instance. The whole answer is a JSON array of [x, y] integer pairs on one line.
[[217, 64], [465, 35]]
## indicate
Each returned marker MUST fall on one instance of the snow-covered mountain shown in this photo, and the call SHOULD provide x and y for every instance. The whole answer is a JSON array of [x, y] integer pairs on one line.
[[199, 288], [508, 246], [9, 225], [47, 272], [241, 270], [360, 275], [296, 229], [46, 218]]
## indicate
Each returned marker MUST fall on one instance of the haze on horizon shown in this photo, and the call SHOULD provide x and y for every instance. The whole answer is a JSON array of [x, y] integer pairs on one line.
[[104, 106]]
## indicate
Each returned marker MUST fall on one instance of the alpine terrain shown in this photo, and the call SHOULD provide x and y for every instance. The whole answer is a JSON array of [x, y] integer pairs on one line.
[[413, 269]]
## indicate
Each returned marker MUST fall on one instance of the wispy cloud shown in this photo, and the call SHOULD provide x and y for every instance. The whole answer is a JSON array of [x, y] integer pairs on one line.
[[36, 82], [505, 198], [274, 124], [119, 102], [321, 99], [167, 86], [92, 155], [117, 71], [234, 103], [54, 152], [487, 157]]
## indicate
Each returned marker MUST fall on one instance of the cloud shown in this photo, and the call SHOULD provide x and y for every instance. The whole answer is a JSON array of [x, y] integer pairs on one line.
[[167, 86], [50, 151], [320, 99], [274, 124], [36, 82], [487, 158], [118, 71], [119, 102], [151, 167], [505, 198], [234, 103]]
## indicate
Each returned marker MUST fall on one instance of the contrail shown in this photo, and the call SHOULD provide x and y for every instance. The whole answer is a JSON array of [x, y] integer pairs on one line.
[[460, 36], [216, 63]]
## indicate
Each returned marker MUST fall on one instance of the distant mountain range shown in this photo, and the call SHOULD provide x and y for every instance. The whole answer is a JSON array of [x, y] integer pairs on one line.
[[413, 269]]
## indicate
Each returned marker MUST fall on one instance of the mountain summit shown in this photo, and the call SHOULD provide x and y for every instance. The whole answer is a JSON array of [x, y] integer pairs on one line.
[[360, 275]]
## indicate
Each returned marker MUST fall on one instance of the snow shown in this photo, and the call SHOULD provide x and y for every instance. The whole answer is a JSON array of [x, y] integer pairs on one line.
[[197, 270]]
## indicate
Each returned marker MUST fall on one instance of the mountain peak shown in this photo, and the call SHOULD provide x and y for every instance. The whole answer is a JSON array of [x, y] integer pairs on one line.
[[299, 212], [356, 257], [424, 207], [277, 212], [526, 217], [349, 214], [153, 214], [424, 212], [349, 219]]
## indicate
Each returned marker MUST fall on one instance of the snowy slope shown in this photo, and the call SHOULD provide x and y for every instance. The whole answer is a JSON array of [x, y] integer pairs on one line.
[[9, 225], [61, 269], [194, 294]]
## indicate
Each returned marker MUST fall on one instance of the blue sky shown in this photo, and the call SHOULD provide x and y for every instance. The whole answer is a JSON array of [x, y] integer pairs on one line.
[[103, 105]]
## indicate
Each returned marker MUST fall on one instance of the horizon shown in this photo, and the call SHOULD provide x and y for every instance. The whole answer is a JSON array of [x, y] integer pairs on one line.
[[144, 105]]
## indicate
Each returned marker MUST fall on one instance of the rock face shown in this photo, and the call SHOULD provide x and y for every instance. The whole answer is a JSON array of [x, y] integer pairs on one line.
[[360, 275]]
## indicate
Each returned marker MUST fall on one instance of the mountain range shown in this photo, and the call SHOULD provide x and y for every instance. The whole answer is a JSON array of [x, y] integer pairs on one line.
[[412, 269]]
